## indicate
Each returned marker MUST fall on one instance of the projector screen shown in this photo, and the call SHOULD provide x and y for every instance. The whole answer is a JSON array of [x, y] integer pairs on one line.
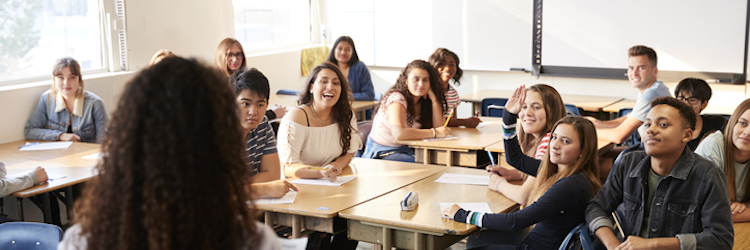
[[688, 35]]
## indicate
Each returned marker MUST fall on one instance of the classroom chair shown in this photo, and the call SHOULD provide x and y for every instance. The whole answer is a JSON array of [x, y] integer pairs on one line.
[[493, 106], [578, 238], [635, 147], [29, 235], [363, 130], [572, 110], [723, 115], [287, 92], [635, 138]]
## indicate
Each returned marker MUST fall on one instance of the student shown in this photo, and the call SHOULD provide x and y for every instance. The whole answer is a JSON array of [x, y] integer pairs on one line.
[[308, 135], [696, 93], [566, 181], [252, 90], [66, 112], [160, 55], [671, 198], [731, 152], [447, 64], [412, 109], [538, 108], [642, 72], [344, 55], [171, 176], [9, 186]]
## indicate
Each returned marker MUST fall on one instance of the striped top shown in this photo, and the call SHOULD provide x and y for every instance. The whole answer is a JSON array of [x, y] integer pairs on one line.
[[542, 148], [451, 98], [260, 141]]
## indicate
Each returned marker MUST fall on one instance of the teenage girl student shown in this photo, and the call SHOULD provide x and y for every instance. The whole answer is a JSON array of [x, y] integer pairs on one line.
[[696, 93], [160, 55], [344, 55], [66, 112], [230, 58], [731, 153], [537, 108], [447, 64], [566, 181], [412, 109], [309, 134], [171, 175]]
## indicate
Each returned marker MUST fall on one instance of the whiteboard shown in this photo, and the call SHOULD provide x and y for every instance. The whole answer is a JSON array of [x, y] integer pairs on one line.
[[688, 35], [486, 34]]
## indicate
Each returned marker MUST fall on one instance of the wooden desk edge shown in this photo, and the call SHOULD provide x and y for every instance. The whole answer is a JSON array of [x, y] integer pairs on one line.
[[36, 190]]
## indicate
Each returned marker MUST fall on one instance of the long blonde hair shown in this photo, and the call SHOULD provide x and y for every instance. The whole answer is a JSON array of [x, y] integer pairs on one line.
[[729, 152], [587, 164], [554, 109]]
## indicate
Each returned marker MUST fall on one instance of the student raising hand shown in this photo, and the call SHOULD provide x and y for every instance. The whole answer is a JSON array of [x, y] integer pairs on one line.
[[515, 102]]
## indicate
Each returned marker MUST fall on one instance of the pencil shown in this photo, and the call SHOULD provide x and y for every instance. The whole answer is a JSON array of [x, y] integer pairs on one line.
[[318, 168], [448, 119]]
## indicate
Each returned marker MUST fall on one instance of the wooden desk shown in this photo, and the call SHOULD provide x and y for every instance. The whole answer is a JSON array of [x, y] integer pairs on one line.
[[624, 103], [374, 178], [585, 102], [381, 221], [60, 162], [741, 236], [462, 151], [290, 101]]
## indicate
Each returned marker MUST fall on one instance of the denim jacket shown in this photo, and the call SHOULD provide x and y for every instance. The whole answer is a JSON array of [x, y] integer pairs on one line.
[[691, 203], [46, 124]]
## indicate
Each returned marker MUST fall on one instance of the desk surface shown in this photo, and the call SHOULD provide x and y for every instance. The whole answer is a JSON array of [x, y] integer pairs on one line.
[[468, 138], [586, 102], [59, 162], [374, 178], [427, 217], [742, 235], [291, 101]]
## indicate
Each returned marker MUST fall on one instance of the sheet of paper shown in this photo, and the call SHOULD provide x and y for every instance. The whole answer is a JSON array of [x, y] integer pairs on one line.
[[56, 177], [46, 146], [483, 124], [472, 206], [286, 199], [95, 156], [293, 244], [447, 138], [469, 179], [323, 182]]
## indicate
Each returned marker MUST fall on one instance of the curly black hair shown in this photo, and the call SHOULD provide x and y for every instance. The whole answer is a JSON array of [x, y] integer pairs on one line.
[[425, 118]]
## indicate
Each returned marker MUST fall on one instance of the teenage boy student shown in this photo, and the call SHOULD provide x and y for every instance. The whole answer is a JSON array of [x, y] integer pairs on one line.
[[252, 91], [671, 197], [642, 75]]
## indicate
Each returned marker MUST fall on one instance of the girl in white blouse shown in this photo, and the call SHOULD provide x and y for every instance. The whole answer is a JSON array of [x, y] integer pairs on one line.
[[319, 139]]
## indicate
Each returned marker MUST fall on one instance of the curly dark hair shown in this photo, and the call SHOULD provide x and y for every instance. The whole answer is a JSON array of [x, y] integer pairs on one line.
[[425, 118], [437, 58], [172, 166], [342, 111]]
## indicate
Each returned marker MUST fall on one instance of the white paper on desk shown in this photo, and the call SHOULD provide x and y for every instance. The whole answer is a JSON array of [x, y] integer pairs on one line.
[[293, 244], [323, 182], [288, 198], [95, 156], [483, 124], [447, 138], [473, 206], [47, 146], [468, 179]]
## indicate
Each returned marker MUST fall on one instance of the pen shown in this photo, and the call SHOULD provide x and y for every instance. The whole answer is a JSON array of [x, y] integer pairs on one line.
[[28, 145], [449, 118], [492, 159]]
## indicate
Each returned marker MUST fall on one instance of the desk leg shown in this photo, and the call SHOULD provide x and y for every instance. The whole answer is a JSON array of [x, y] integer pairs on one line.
[[46, 207], [69, 201], [268, 218], [296, 226], [426, 154], [418, 241], [448, 158], [20, 208], [387, 238]]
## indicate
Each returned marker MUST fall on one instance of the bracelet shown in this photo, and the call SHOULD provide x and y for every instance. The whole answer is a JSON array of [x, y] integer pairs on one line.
[[434, 134]]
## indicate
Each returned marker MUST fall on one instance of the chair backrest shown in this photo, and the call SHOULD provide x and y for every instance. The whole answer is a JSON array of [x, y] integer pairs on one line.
[[363, 130], [287, 92], [572, 110], [493, 106], [635, 138], [29, 235], [635, 147], [578, 238]]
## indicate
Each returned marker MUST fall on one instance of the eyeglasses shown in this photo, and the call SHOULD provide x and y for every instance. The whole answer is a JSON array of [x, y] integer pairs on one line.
[[235, 55], [691, 100]]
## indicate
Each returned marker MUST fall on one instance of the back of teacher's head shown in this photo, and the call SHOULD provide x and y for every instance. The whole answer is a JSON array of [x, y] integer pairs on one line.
[[172, 172]]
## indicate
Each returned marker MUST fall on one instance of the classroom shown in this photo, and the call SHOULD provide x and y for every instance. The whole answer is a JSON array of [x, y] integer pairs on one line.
[[580, 55]]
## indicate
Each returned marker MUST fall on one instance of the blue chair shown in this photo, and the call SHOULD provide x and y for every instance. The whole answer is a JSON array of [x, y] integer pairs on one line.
[[635, 147], [578, 238], [493, 106], [572, 110], [635, 138], [29, 235], [287, 92]]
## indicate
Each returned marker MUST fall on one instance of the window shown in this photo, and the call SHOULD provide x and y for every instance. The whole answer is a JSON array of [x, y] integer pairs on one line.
[[262, 25], [34, 33]]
